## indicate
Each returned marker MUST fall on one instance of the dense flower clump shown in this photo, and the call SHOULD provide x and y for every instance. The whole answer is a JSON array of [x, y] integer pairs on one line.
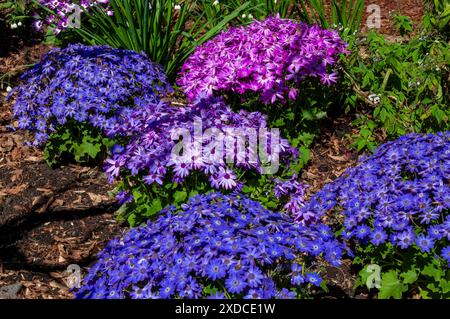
[[269, 57], [227, 242], [63, 10], [400, 195], [95, 84], [213, 136], [294, 191]]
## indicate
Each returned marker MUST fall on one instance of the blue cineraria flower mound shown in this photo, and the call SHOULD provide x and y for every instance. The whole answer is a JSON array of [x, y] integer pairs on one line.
[[89, 84], [215, 246], [395, 205], [401, 194]]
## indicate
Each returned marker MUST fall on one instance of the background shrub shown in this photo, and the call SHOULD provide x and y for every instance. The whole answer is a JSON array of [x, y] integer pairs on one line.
[[404, 84]]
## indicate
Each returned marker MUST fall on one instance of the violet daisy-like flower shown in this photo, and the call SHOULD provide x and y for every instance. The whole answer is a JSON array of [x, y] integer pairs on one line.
[[235, 284], [378, 236], [216, 269], [446, 253], [227, 179], [314, 279]]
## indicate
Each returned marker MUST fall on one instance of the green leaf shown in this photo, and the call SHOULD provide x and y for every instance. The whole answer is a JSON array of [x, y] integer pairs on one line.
[[391, 287], [91, 149], [444, 285], [193, 193], [271, 204], [432, 287], [409, 277], [364, 276], [246, 189], [179, 196], [154, 208], [131, 220], [278, 123], [432, 271]]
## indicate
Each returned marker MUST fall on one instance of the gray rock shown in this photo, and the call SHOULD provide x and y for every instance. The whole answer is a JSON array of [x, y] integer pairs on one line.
[[11, 291]]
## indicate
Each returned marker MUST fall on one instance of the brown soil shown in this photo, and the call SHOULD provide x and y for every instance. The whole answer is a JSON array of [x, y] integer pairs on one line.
[[414, 9]]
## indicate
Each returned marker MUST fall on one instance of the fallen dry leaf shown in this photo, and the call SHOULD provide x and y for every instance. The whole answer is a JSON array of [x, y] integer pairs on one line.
[[96, 199], [17, 175], [15, 190], [338, 158]]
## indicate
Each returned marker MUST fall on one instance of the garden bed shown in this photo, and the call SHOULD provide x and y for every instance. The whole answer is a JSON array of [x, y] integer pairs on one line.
[[52, 217]]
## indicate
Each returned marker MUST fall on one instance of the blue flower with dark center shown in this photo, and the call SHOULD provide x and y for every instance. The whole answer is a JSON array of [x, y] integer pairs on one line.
[[425, 243], [235, 284], [216, 269], [314, 279]]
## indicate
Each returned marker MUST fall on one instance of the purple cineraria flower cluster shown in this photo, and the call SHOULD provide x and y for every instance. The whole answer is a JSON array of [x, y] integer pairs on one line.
[[227, 242], [400, 195], [295, 192], [95, 84], [63, 10], [211, 133], [270, 58]]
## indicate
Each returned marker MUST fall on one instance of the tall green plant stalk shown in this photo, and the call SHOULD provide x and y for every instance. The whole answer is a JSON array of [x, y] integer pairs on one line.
[[344, 13], [256, 9], [167, 31]]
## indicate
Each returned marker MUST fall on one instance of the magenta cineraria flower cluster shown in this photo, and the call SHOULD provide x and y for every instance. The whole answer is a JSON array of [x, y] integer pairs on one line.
[[400, 195], [270, 58], [227, 242], [63, 10], [211, 133], [95, 84]]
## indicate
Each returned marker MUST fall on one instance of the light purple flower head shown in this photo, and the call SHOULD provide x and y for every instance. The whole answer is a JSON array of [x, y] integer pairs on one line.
[[208, 132]]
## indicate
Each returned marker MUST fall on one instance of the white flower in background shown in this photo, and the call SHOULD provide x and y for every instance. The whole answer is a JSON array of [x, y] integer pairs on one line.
[[19, 23], [177, 7], [374, 98], [14, 26], [216, 3], [8, 89], [244, 16], [250, 16]]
